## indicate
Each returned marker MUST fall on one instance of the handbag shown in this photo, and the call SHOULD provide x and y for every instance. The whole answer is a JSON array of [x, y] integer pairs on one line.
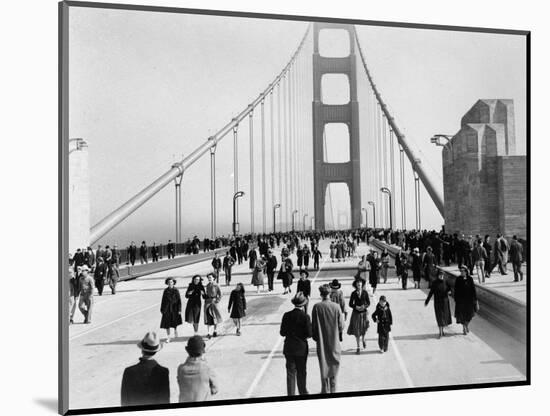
[[476, 306]]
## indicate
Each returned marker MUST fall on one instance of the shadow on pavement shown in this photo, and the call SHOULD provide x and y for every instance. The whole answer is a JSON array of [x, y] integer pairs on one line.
[[49, 404]]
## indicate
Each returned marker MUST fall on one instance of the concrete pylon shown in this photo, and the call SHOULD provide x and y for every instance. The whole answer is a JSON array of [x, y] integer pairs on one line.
[[348, 172]]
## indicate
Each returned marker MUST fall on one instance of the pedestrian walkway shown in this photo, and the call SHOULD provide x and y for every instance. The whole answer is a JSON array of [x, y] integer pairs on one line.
[[253, 365]]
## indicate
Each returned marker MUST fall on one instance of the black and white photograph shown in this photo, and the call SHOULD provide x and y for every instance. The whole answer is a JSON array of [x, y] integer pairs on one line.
[[261, 207], [288, 207]]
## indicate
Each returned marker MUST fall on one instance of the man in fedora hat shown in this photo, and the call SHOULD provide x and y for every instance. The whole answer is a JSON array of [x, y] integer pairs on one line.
[[195, 378], [86, 302], [304, 286], [337, 296], [271, 266], [146, 382], [296, 328]]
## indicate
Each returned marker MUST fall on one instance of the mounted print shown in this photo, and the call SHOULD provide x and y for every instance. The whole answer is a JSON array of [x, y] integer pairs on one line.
[[268, 208]]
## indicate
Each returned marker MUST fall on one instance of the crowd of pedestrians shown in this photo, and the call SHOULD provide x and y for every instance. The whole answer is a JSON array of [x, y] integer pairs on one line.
[[324, 322]]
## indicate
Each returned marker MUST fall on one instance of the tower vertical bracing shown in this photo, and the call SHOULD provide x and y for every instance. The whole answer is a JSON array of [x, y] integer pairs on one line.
[[347, 172]]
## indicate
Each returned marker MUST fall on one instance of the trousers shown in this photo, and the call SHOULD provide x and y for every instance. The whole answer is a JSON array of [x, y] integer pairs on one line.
[[518, 274], [270, 277], [383, 339], [296, 373], [85, 305]]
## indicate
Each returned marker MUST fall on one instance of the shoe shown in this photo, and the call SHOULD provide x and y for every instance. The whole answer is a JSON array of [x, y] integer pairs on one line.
[[71, 322], [364, 344], [358, 351], [208, 336], [167, 340], [238, 332], [214, 334], [381, 351]]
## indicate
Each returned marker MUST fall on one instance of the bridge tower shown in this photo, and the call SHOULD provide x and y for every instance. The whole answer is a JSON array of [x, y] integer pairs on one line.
[[325, 173]]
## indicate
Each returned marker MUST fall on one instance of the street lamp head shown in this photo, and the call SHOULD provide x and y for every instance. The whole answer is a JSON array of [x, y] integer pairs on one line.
[[385, 190], [370, 203], [238, 194], [276, 206]]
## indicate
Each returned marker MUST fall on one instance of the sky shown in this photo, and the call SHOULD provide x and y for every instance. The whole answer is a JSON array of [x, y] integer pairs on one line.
[[147, 88]]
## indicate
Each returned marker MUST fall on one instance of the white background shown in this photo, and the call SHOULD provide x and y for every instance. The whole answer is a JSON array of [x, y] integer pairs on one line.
[[28, 95]]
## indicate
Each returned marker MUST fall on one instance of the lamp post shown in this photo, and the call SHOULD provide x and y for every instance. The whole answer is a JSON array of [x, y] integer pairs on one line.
[[293, 214], [373, 213], [387, 191], [237, 195], [305, 216], [80, 144], [366, 217], [312, 223], [274, 210], [436, 139]]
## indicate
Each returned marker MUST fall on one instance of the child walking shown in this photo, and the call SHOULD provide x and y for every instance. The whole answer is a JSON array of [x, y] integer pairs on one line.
[[382, 316]]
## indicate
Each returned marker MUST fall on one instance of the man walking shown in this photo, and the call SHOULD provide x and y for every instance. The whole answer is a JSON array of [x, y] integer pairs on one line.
[[100, 274], [296, 328], [228, 263], [216, 265], [132, 252], [516, 258], [171, 250], [73, 294], [143, 253], [86, 302], [501, 254], [327, 328], [271, 266], [146, 382]]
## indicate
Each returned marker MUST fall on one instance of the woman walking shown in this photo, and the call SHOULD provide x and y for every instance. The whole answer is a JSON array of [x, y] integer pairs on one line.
[[170, 307], [306, 255], [385, 260], [466, 304], [374, 271], [194, 294], [258, 274], [213, 295], [237, 306], [304, 286], [416, 266], [252, 257], [359, 323], [337, 296], [428, 265], [285, 274], [440, 291], [299, 256]]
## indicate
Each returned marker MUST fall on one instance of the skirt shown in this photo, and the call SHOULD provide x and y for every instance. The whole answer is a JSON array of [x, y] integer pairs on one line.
[[358, 323], [192, 313], [170, 320], [212, 315]]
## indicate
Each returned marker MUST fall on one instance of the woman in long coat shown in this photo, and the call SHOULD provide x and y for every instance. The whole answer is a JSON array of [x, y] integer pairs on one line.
[[428, 265], [385, 264], [170, 307], [252, 257], [299, 256], [332, 251], [285, 274], [212, 297], [440, 291], [359, 322], [374, 270], [465, 299], [194, 294], [306, 256], [237, 306], [416, 266], [258, 274]]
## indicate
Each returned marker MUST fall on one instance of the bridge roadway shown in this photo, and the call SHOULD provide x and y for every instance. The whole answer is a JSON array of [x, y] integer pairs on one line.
[[253, 365]]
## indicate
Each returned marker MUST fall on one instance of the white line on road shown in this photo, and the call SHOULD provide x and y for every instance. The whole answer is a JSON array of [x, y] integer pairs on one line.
[[263, 369], [112, 322]]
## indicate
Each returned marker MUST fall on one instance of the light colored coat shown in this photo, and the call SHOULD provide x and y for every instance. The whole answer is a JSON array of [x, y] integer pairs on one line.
[[196, 380], [328, 325]]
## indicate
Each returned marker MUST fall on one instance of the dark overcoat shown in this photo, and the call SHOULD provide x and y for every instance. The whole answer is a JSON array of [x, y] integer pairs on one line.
[[440, 292], [296, 328], [145, 383], [465, 299], [170, 308]]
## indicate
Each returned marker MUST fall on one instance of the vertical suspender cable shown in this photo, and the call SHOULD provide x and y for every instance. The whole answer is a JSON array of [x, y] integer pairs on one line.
[[280, 158], [403, 196], [392, 177], [236, 165], [272, 158], [251, 137], [263, 165], [285, 138]]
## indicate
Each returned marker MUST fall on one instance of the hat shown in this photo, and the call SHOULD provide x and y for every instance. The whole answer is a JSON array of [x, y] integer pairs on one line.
[[195, 345], [464, 268], [303, 271], [150, 343], [416, 250], [299, 299], [335, 284], [323, 290], [168, 279], [382, 298], [197, 275], [354, 284], [84, 267]]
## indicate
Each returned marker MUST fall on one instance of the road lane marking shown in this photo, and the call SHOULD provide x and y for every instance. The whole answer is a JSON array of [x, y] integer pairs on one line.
[[265, 365], [398, 356], [112, 322]]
